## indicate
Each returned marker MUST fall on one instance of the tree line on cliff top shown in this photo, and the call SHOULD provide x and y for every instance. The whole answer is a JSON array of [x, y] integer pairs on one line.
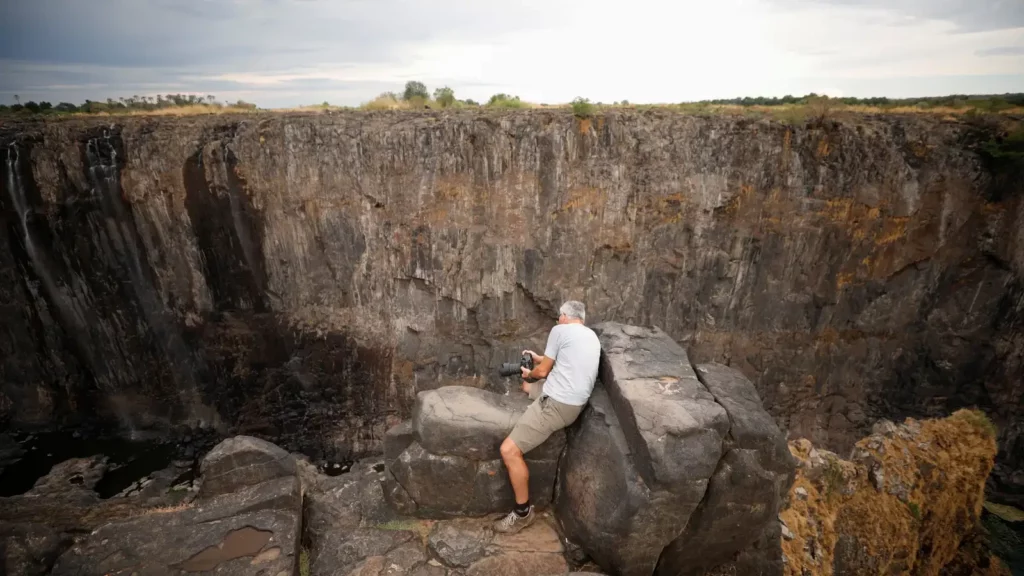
[[417, 96], [121, 105]]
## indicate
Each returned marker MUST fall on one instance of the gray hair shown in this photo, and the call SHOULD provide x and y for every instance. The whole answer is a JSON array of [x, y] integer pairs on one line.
[[574, 309]]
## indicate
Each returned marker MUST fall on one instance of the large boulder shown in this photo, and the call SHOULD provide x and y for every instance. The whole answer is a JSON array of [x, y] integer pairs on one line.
[[445, 462], [252, 531], [649, 466], [745, 493], [243, 461]]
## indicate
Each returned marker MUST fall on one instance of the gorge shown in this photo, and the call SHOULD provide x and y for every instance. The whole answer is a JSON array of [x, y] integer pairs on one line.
[[300, 277]]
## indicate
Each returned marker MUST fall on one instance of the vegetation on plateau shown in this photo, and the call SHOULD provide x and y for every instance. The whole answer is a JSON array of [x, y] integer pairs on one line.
[[417, 96], [161, 103]]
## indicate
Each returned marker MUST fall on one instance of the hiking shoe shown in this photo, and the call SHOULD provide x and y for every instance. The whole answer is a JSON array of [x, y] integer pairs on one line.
[[513, 522]]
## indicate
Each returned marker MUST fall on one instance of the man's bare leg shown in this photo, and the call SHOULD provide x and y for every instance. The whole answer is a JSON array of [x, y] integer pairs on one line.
[[518, 472], [522, 515]]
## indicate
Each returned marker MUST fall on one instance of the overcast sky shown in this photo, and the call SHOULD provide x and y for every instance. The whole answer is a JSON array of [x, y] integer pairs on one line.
[[292, 52]]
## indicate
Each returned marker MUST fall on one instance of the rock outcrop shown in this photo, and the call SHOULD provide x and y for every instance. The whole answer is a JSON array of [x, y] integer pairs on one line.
[[667, 472], [243, 461], [446, 462], [908, 499], [274, 274], [254, 529]]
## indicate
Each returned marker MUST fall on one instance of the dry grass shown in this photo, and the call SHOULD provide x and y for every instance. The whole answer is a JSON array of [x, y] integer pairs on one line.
[[167, 509], [933, 481], [197, 110], [420, 527]]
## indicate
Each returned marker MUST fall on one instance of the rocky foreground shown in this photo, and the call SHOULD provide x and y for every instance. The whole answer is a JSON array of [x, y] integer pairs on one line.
[[673, 469]]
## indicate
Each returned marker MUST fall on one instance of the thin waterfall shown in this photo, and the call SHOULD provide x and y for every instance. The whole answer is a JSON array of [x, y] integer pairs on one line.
[[16, 190], [105, 176]]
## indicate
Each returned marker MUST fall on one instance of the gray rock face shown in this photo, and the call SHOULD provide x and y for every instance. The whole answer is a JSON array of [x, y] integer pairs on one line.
[[351, 530], [653, 477], [745, 493], [447, 463], [31, 549], [252, 530], [290, 272], [243, 461], [456, 545]]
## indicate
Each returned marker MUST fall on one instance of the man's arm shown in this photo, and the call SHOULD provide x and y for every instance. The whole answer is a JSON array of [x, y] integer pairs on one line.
[[541, 368], [542, 365]]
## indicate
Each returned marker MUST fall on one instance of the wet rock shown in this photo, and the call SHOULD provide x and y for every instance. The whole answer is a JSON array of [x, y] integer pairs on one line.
[[253, 529], [243, 461], [74, 478], [10, 450]]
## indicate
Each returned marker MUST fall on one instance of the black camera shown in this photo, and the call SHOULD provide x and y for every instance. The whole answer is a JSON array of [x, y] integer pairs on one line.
[[515, 369]]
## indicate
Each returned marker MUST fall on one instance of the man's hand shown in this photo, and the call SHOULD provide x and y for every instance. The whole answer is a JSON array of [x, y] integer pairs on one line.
[[526, 373], [536, 357], [526, 386]]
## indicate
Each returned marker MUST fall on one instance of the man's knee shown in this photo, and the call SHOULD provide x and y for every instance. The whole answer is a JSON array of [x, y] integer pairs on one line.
[[510, 450]]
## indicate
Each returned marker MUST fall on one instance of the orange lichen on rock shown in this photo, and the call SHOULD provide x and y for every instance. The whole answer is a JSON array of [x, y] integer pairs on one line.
[[904, 503]]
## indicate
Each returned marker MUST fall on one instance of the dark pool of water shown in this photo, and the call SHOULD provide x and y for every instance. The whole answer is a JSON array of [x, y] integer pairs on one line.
[[128, 460]]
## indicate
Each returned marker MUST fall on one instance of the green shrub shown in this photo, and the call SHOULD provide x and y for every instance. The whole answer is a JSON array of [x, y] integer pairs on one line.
[[1009, 148], [981, 421], [414, 89], [582, 107], [915, 510], [832, 479], [445, 97], [505, 101]]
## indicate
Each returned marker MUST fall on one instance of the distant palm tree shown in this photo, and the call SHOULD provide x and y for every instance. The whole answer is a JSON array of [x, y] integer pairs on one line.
[[17, 99]]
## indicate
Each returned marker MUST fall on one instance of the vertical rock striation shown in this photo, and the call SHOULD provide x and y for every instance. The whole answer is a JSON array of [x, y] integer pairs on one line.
[[301, 277]]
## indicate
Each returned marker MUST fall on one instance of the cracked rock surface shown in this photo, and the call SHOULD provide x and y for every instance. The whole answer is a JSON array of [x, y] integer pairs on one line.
[[666, 473]]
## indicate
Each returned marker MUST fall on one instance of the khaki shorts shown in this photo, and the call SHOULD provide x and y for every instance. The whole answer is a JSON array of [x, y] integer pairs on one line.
[[543, 418]]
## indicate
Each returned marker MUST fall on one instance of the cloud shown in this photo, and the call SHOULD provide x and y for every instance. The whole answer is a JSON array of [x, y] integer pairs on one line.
[[966, 15], [1002, 51], [291, 52]]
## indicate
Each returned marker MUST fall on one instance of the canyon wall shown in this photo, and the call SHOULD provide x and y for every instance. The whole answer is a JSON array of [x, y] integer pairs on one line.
[[301, 276]]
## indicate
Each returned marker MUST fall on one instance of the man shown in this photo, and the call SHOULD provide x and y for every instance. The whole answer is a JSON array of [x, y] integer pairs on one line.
[[570, 364]]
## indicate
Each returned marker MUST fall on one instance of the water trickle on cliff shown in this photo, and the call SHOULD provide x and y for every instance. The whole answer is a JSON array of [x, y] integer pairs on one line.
[[20, 204], [19, 200], [105, 180]]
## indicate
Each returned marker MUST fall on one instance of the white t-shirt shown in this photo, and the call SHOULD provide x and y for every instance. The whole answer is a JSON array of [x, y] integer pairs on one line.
[[577, 353]]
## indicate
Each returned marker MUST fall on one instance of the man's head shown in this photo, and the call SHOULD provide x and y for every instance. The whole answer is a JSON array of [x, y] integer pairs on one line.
[[572, 312]]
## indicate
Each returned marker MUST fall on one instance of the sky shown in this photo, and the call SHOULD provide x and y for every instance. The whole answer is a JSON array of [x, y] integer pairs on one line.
[[282, 53]]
